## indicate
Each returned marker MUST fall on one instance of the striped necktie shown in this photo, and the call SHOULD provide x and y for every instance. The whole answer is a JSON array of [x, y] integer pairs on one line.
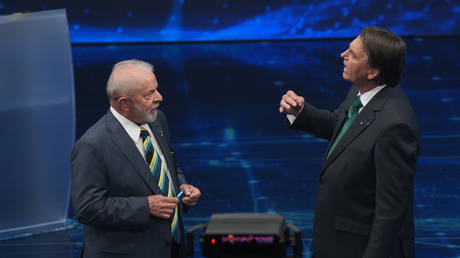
[[352, 112], [158, 169]]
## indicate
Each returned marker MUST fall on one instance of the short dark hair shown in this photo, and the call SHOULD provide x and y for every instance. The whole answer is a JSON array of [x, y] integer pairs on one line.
[[386, 52]]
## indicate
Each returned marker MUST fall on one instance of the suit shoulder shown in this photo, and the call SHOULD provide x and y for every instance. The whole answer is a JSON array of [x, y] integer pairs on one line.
[[95, 133], [399, 103], [398, 109]]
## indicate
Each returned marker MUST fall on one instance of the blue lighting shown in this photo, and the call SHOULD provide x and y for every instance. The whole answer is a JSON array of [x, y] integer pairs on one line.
[[229, 134], [224, 21]]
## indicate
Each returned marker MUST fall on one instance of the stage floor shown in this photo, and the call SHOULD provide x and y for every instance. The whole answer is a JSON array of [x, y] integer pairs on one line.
[[221, 101]]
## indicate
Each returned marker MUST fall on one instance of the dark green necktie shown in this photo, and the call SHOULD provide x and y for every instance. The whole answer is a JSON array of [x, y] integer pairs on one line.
[[354, 110]]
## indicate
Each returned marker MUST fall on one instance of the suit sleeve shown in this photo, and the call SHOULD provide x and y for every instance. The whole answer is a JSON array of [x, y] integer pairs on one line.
[[90, 194], [321, 122], [396, 154]]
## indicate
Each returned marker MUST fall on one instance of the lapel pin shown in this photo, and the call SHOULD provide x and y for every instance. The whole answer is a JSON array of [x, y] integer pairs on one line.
[[361, 123], [162, 133]]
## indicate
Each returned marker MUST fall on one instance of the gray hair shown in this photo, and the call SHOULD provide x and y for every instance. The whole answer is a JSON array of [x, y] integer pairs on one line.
[[119, 84]]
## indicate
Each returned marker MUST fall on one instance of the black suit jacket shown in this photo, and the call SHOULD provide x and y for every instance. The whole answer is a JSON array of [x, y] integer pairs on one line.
[[110, 185], [364, 205]]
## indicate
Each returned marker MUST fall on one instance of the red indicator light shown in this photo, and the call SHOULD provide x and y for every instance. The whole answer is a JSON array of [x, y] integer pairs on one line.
[[213, 241]]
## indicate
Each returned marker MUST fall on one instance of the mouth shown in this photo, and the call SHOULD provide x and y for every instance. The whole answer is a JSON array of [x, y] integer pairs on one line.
[[154, 109]]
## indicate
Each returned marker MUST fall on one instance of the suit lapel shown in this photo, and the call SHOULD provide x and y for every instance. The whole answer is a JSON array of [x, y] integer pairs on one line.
[[362, 121], [126, 146]]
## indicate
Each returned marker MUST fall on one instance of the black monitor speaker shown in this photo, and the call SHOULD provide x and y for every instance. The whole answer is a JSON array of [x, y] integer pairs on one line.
[[245, 235]]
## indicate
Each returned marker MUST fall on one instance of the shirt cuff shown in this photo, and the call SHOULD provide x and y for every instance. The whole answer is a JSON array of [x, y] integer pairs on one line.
[[292, 118]]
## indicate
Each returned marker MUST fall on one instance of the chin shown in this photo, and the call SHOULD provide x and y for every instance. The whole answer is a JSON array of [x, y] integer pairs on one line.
[[347, 78], [150, 119]]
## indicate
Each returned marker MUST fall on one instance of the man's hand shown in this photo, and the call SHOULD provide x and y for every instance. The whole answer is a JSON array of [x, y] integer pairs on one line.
[[291, 103], [191, 194], [162, 206]]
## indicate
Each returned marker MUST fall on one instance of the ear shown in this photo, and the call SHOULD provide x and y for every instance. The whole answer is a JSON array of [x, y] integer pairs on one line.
[[373, 73], [122, 102]]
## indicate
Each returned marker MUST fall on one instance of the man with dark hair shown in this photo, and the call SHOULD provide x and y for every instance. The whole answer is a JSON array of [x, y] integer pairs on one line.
[[364, 205], [124, 174]]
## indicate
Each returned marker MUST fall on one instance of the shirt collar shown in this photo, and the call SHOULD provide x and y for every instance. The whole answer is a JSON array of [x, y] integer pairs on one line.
[[368, 95], [133, 130]]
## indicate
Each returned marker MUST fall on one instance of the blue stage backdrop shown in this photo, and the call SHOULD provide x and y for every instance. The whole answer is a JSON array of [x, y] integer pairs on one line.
[[216, 20]]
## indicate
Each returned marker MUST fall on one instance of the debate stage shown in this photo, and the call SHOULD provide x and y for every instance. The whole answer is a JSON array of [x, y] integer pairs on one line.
[[221, 101]]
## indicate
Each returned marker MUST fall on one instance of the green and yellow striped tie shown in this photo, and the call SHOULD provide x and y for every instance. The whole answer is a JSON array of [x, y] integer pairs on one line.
[[158, 169]]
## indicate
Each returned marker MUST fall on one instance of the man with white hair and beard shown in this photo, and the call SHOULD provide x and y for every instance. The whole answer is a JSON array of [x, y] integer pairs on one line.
[[124, 174]]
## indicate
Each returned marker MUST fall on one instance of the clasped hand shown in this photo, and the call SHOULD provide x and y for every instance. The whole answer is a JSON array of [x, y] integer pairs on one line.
[[291, 103], [191, 194], [163, 207]]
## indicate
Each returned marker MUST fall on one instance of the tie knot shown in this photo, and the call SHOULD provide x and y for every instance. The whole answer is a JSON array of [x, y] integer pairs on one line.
[[355, 106], [144, 133]]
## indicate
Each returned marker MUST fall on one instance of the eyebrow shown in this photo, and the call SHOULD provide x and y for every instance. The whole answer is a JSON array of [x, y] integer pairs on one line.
[[352, 52]]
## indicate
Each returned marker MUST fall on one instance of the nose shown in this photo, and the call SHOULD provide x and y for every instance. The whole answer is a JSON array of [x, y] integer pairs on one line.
[[158, 97], [344, 53]]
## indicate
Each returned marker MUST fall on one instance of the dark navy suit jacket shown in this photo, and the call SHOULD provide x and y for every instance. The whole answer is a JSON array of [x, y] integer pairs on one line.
[[110, 185], [364, 205]]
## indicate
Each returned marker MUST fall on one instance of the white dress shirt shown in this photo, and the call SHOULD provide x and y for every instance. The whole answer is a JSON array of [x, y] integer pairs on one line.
[[134, 132]]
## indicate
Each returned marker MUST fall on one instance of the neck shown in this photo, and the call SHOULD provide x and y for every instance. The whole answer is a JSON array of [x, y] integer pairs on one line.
[[125, 114], [366, 87], [119, 110]]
